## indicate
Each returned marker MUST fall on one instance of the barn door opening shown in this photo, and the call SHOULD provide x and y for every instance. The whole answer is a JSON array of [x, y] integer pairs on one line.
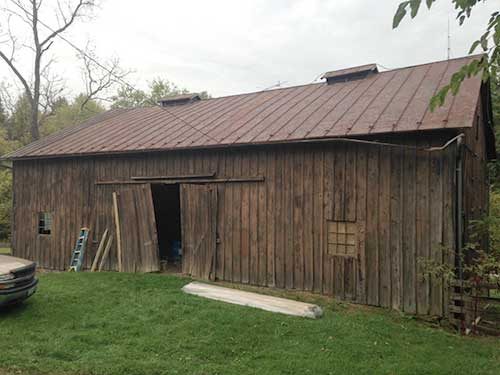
[[167, 205], [199, 223], [137, 229]]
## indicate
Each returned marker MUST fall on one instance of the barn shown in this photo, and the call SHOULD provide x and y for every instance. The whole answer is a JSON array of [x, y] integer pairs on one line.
[[340, 187]]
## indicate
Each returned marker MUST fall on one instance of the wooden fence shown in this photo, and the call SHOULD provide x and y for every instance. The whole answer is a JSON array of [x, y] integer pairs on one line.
[[475, 307]]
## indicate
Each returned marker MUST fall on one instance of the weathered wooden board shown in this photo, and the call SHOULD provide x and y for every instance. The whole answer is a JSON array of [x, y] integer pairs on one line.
[[137, 228], [259, 301], [199, 223]]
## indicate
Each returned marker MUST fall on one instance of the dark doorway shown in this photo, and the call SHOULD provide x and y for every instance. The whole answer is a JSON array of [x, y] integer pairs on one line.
[[166, 200]]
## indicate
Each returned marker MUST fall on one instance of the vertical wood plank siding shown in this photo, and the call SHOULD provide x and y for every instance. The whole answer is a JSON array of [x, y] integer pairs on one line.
[[272, 233]]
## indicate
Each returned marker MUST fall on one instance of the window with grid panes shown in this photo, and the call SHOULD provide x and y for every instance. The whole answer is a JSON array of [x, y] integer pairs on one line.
[[342, 238]]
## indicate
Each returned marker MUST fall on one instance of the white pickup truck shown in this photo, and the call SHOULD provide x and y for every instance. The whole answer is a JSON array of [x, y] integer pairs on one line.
[[17, 279]]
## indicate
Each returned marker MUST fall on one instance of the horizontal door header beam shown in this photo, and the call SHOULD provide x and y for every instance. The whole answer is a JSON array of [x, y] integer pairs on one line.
[[178, 177], [184, 181]]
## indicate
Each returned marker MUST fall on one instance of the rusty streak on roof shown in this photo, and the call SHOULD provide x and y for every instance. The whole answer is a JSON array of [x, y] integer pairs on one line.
[[388, 102]]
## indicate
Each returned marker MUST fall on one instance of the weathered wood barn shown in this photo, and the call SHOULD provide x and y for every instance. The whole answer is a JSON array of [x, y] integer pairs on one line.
[[338, 187]]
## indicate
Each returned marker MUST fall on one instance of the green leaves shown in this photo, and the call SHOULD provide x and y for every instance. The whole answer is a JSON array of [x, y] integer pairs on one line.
[[471, 69], [463, 8], [402, 11], [488, 42], [400, 14]]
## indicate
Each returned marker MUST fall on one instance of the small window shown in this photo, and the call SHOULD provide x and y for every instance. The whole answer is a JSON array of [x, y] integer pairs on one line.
[[44, 223], [342, 238]]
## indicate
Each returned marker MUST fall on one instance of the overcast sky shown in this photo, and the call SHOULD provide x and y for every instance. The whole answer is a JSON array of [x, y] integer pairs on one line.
[[229, 47]]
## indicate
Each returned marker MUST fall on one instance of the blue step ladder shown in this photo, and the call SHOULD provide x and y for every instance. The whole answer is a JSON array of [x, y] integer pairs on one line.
[[79, 251]]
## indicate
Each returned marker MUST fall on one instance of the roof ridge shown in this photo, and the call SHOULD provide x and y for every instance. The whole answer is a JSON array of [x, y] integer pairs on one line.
[[268, 116]]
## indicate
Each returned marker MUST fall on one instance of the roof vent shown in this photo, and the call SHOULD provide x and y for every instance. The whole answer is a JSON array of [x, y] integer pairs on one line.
[[350, 74], [179, 99]]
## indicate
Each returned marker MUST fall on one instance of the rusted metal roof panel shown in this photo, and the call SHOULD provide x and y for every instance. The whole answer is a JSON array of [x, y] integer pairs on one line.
[[387, 102]]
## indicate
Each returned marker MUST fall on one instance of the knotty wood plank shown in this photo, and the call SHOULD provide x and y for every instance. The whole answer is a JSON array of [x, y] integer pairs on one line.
[[221, 230], [268, 303], [186, 181], [236, 218], [106, 252], [409, 231], [397, 157], [328, 183], [372, 234], [99, 251], [280, 258], [298, 219], [422, 229], [350, 183], [117, 230], [361, 207], [318, 214], [384, 224], [449, 213], [339, 210], [227, 217], [288, 216], [174, 177], [271, 205], [261, 222], [350, 265], [245, 224], [436, 230], [339, 188], [308, 219], [253, 223]]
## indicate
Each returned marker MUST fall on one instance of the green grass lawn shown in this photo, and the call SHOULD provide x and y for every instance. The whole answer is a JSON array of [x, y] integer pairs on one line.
[[110, 323], [4, 250]]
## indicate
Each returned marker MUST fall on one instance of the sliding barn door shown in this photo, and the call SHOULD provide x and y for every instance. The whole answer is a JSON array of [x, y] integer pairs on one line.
[[199, 221], [136, 221]]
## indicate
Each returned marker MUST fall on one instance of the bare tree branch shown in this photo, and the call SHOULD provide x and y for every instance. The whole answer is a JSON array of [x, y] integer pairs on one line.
[[68, 21], [41, 91], [17, 73], [98, 80]]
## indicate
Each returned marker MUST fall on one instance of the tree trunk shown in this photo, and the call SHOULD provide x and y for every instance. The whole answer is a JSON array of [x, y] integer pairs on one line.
[[35, 133]]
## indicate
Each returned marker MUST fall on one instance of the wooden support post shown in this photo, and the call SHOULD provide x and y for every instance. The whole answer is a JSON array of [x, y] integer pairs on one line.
[[106, 252], [99, 251], [118, 233]]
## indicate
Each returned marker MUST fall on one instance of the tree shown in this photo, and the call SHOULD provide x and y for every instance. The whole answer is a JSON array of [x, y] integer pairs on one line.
[[5, 177], [42, 82], [159, 88], [487, 64], [17, 126], [70, 113], [99, 77], [494, 167]]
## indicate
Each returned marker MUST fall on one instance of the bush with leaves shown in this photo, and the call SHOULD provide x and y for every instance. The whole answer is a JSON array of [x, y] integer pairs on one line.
[[480, 259]]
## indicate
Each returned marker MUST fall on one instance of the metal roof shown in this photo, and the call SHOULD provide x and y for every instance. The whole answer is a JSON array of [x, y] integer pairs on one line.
[[388, 102]]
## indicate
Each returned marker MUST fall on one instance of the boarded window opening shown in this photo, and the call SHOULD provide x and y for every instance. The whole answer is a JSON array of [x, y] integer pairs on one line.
[[343, 238], [44, 223]]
